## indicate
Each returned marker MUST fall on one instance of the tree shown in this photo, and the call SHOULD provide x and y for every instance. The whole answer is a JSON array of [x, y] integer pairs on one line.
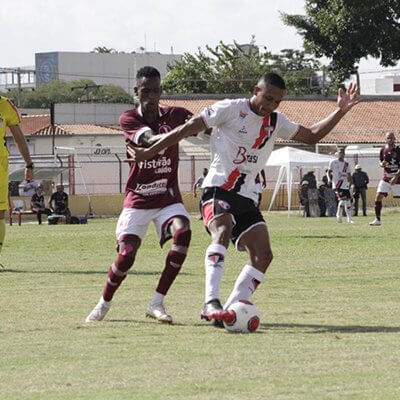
[[347, 31], [228, 69], [299, 71], [72, 92], [104, 49], [236, 68]]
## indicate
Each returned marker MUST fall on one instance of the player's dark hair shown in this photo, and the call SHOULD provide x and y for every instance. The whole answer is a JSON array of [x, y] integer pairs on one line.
[[148, 72], [275, 80]]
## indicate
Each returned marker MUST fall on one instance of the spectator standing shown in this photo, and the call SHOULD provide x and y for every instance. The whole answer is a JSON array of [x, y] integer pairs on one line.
[[322, 200], [360, 182], [311, 179], [303, 197], [199, 181]]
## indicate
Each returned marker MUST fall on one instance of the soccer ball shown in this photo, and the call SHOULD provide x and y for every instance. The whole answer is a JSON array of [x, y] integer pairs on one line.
[[245, 317]]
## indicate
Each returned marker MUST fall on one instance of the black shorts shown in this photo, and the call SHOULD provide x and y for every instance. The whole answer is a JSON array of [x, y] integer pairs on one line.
[[343, 194], [245, 214]]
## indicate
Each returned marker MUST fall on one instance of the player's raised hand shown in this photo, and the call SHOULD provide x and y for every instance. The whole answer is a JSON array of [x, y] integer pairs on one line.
[[349, 98]]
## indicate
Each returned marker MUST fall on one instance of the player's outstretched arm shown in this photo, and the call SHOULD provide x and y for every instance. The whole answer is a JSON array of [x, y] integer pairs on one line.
[[345, 102], [190, 128]]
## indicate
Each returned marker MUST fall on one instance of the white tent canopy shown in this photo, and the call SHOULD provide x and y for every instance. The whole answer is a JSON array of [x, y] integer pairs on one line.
[[289, 158]]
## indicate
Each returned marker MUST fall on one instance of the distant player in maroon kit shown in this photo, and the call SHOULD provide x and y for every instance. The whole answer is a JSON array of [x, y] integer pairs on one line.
[[152, 194], [390, 162]]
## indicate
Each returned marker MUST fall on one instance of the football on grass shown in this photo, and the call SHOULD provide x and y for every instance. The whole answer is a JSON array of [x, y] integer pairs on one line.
[[245, 317]]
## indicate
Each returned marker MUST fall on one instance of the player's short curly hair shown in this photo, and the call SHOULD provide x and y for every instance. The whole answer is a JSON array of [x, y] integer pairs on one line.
[[274, 79], [148, 72]]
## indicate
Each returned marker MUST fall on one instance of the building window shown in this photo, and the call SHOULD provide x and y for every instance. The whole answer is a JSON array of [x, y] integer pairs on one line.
[[396, 87]]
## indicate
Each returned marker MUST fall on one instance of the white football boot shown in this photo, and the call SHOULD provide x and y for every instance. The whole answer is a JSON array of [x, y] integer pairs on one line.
[[375, 222], [100, 311], [158, 312]]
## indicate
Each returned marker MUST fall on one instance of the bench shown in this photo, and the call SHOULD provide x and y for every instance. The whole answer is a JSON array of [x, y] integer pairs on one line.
[[19, 209]]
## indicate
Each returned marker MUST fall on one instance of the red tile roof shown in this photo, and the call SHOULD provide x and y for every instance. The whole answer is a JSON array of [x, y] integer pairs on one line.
[[365, 123], [39, 125]]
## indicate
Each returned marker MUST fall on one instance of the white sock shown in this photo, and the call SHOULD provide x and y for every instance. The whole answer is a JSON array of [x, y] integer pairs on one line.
[[158, 298], [347, 208], [214, 263], [245, 285], [339, 209], [102, 301]]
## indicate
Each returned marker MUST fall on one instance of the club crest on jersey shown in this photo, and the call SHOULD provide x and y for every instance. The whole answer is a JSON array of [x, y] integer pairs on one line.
[[224, 205], [209, 111], [243, 130], [164, 129], [242, 114]]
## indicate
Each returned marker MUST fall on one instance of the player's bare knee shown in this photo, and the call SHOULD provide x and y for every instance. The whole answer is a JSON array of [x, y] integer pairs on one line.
[[221, 233], [262, 260]]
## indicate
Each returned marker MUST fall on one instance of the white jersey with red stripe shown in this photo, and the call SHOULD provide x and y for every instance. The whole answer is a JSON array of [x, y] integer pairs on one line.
[[340, 171], [241, 143]]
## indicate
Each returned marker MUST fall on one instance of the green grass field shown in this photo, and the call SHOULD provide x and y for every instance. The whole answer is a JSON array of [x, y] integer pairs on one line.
[[330, 317]]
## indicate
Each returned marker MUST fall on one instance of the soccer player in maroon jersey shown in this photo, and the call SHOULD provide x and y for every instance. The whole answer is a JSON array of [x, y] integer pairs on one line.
[[243, 136], [390, 162], [152, 195]]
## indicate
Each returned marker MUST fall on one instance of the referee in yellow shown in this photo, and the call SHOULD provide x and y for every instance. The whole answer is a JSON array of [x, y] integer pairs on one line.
[[9, 117]]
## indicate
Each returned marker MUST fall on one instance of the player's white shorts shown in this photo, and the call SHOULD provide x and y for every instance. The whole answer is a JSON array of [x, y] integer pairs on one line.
[[386, 187], [134, 221]]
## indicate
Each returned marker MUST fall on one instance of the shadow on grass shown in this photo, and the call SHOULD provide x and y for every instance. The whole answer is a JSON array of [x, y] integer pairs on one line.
[[142, 273], [311, 328], [324, 237], [147, 321]]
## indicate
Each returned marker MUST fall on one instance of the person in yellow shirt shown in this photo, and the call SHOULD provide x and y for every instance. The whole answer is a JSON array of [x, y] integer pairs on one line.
[[9, 117]]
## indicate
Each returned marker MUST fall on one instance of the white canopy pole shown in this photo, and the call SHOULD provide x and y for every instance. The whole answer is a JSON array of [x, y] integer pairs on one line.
[[289, 180], [278, 185]]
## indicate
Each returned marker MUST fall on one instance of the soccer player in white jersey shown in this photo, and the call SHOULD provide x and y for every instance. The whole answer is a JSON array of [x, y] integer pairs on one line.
[[340, 176], [243, 136]]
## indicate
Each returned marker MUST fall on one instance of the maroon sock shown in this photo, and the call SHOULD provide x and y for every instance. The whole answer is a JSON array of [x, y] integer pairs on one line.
[[378, 208], [117, 273], [114, 280], [176, 257], [172, 267]]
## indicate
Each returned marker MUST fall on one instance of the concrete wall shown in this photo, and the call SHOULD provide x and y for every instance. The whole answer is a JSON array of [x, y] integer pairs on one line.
[[111, 205], [117, 69]]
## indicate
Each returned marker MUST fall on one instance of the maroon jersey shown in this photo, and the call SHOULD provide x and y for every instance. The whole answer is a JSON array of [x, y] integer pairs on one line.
[[153, 183], [393, 161]]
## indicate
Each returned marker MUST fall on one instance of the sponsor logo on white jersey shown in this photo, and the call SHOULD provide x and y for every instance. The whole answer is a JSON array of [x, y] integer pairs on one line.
[[242, 156]]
